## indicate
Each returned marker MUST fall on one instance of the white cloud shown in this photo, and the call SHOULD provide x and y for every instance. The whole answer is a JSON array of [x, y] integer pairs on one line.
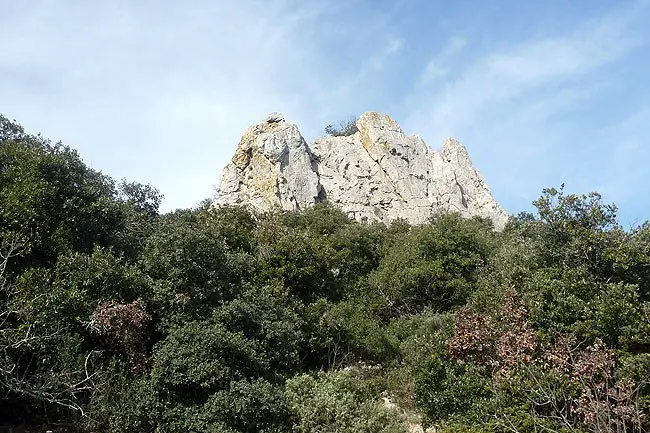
[[508, 105], [159, 95], [393, 46], [438, 66], [378, 61], [162, 95], [496, 77]]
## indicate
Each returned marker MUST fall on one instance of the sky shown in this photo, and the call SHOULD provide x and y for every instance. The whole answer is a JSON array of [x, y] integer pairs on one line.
[[541, 93]]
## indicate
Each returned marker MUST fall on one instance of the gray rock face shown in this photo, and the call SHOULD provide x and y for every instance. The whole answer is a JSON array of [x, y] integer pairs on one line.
[[378, 173], [272, 166]]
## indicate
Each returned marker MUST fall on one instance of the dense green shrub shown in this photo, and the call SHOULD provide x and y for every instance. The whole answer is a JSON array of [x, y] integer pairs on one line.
[[266, 316], [444, 389], [48, 194], [338, 403], [116, 318], [346, 333], [434, 266]]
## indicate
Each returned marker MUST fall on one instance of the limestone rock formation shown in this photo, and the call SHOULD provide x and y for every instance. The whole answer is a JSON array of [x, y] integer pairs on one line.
[[378, 173], [272, 166]]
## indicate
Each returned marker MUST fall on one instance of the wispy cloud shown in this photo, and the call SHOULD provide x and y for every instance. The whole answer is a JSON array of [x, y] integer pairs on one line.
[[438, 66], [162, 95], [142, 90], [508, 104], [494, 78]]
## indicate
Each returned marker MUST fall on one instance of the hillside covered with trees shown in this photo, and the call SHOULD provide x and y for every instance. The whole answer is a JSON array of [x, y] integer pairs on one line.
[[117, 318]]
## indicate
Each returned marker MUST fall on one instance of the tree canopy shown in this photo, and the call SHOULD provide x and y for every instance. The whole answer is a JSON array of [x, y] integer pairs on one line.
[[115, 317]]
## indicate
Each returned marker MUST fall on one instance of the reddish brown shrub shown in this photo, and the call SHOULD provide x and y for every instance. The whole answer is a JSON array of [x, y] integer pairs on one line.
[[501, 340], [505, 341], [120, 326]]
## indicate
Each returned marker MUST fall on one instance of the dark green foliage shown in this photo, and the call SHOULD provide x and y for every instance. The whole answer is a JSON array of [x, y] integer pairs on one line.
[[144, 199], [444, 389], [345, 333], [267, 317], [212, 376], [297, 259], [191, 268], [317, 253], [203, 357], [250, 406], [320, 219], [219, 319], [47, 193], [573, 231], [236, 225], [433, 266], [69, 292]]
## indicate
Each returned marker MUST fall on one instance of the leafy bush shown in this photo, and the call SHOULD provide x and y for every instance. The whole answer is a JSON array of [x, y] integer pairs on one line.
[[343, 128], [347, 333], [338, 403], [444, 389], [434, 266]]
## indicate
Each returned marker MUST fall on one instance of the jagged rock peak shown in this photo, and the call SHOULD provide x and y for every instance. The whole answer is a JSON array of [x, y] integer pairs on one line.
[[272, 166], [377, 173]]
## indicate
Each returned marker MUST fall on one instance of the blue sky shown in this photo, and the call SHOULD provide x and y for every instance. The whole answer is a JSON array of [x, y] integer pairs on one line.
[[541, 93]]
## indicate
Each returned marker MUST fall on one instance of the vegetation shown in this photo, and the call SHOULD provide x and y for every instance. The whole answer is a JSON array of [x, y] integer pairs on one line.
[[116, 318], [343, 128]]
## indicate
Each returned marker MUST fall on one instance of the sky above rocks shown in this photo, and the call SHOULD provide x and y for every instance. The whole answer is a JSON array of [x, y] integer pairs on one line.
[[541, 93]]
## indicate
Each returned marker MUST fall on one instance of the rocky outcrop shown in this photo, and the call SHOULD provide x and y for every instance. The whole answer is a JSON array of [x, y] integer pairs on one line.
[[378, 173], [272, 166]]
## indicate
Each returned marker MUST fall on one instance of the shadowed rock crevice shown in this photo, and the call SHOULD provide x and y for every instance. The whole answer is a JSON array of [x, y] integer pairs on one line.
[[378, 173]]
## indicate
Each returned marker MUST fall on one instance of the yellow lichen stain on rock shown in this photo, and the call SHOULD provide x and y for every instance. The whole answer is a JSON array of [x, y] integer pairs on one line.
[[241, 158], [379, 122], [264, 178], [243, 154], [365, 139]]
